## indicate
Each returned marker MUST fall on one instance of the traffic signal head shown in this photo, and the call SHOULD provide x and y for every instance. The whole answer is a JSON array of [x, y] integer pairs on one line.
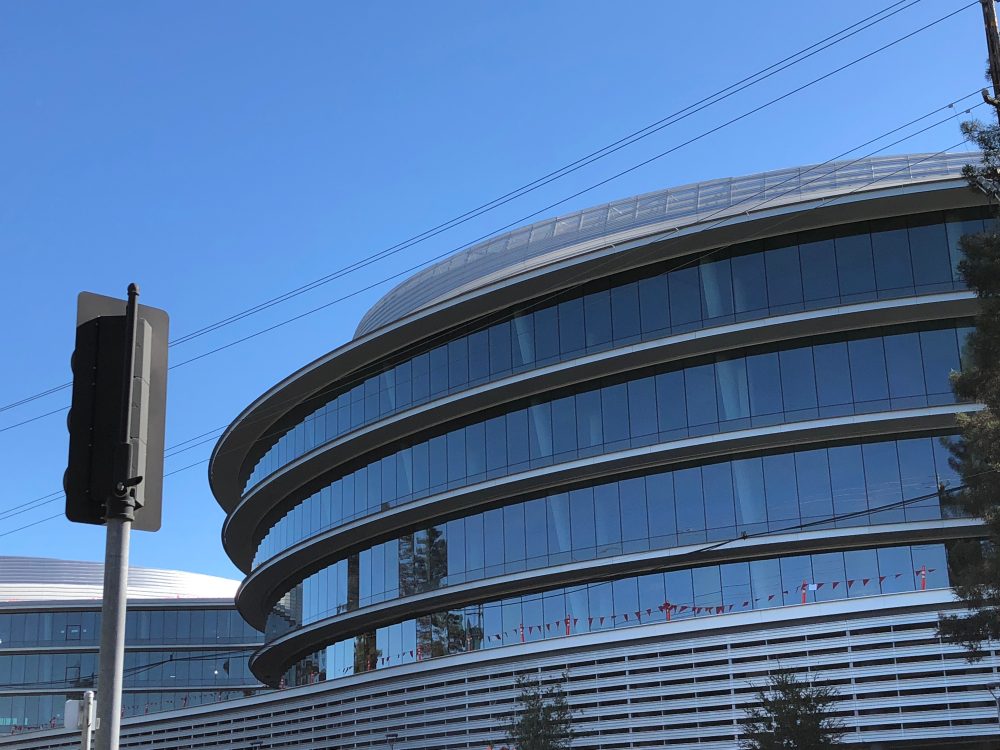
[[95, 416], [102, 461]]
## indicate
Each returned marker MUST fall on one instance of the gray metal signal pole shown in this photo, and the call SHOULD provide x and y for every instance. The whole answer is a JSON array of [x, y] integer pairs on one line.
[[120, 514]]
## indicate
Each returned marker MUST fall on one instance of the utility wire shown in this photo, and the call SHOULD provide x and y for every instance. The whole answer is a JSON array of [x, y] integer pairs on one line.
[[628, 140]]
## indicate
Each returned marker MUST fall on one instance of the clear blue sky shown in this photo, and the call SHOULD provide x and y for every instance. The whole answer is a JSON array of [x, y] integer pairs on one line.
[[222, 153]]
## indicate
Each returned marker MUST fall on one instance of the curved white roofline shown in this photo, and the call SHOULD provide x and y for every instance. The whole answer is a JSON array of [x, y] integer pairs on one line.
[[685, 205], [38, 579]]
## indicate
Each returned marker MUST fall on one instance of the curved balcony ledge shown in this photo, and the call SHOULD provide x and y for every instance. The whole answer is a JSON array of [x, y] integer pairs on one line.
[[283, 571], [272, 659], [265, 501], [573, 266]]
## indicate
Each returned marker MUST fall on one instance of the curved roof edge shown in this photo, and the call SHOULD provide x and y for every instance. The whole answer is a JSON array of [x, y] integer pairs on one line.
[[43, 579], [685, 205]]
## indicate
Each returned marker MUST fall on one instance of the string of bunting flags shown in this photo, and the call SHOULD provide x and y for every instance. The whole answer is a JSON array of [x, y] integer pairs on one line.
[[567, 624]]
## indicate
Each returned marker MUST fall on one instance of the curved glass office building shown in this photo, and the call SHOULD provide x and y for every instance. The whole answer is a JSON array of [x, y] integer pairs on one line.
[[185, 644], [654, 449]]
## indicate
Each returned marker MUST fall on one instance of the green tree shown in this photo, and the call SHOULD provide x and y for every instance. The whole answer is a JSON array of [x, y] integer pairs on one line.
[[791, 715], [543, 720], [975, 565]]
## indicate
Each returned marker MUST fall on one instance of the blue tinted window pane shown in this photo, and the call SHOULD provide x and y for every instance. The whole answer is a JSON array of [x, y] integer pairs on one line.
[[716, 289], [458, 363], [653, 304], [540, 430], [748, 484], [707, 588], [523, 340], [584, 533], [685, 297], [557, 522], [607, 513], [564, 425], [868, 372], [939, 350], [749, 284], [782, 491], [589, 429], [784, 278], [475, 449], [635, 522], [896, 573], [597, 317], [514, 532], [699, 388], [571, 330], [882, 480], [847, 480], [456, 455], [625, 312], [496, 443], [957, 226], [819, 267], [765, 384], [660, 506], [798, 379], [517, 437], [833, 374], [479, 356], [796, 575], [642, 418], [614, 404], [812, 471], [736, 594], [732, 389], [690, 505], [438, 455], [891, 251], [855, 270], [765, 581], [719, 509], [905, 370], [420, 377], [439, 370], [917, 478], [546, 335], [931, 261], [500, 357], [861, 571], [671, 408], [536, 535]]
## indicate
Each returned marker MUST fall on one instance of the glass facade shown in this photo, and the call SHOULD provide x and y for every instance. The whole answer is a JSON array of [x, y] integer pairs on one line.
[[700, 592], [50, 656], [874, 370], [858, 262], [860, 484]]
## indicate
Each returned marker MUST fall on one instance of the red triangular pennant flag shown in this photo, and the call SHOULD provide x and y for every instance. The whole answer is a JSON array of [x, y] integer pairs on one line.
[[864, 581], [881, 579], [625, 615], [746, 603], [730, 607], [835, 584], [684, 608], [590, 622], [850, 582], [771, 596], [820, 585], [899, 575], [602, 620]]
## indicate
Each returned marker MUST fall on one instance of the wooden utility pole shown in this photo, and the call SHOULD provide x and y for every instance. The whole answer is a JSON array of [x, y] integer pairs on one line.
[[993, 45]]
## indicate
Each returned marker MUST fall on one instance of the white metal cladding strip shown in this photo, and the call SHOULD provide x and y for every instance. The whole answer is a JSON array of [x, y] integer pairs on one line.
[[47, 579], [897, 682], [683, 205]]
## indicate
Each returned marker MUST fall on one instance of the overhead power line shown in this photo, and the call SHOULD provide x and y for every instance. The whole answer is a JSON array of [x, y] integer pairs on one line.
[[718, 96]]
